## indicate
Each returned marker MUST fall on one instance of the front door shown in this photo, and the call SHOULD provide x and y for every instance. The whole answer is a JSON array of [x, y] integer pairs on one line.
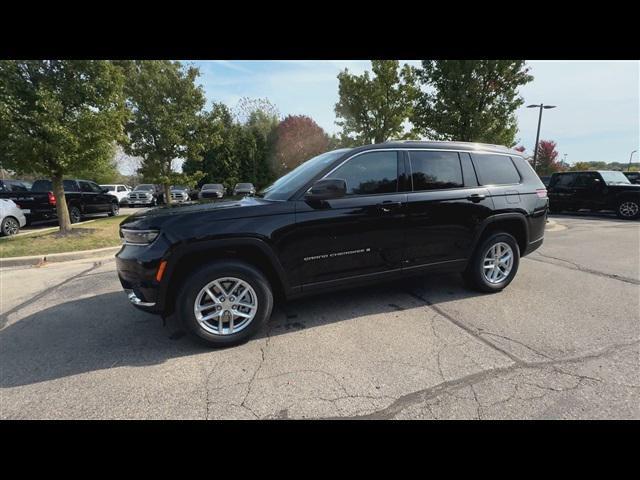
[[358, 235]]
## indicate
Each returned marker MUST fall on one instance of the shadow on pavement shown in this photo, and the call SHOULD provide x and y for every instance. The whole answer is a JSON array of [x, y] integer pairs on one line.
[[104, 331]]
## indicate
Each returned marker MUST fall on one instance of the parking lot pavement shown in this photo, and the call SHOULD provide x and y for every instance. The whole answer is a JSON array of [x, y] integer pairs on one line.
[[562, 341]]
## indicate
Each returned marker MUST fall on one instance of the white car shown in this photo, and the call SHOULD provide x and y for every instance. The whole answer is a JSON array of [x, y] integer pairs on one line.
[[118, 191], [11, 217]]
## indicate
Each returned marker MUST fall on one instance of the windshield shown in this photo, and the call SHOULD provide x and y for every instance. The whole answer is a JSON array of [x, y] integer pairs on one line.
[[212, 186], [178, 187], [285, 186], [244, 185], [614, 177], [144, 187]]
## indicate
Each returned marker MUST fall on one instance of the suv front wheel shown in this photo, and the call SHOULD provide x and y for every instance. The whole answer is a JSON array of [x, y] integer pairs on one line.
[[225, 302], [494, 263], [629, 209]]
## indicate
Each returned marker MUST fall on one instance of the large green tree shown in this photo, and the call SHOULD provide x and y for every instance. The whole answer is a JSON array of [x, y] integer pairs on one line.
[[470, 100], [59, 118], [166, 106], [375, 108]]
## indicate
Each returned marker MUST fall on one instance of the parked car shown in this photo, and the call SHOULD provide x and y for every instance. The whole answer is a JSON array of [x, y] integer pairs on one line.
[[117, 190], [11, 218], [244, 189], [346, 217], [82, 196], [145, 194], [211, 190], [15, 186], [594, 190], [179, 193], [634, 177], [545, 180]]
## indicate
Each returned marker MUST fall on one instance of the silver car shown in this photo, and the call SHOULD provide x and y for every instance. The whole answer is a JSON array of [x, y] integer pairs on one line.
[[11, 217]]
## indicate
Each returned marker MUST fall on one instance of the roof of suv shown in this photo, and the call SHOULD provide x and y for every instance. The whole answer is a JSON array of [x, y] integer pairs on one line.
[[467, 146]]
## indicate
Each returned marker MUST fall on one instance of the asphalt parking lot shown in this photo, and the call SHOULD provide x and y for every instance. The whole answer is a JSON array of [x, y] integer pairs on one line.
[[561, 342]]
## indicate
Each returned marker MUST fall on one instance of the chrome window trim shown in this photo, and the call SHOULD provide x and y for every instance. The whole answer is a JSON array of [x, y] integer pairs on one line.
[[458, 151]]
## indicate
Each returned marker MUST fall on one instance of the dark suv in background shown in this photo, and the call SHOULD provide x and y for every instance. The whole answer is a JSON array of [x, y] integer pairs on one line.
[[346, 217], [595, 191]]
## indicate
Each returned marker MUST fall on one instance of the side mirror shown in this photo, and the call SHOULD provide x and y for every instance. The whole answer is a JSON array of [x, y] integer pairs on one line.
[[326, 189]]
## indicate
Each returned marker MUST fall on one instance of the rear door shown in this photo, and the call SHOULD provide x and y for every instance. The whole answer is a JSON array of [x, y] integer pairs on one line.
[[444, 209], [359, 235]]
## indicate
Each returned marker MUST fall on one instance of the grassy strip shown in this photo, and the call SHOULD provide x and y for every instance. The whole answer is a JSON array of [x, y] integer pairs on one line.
[[99, 234]]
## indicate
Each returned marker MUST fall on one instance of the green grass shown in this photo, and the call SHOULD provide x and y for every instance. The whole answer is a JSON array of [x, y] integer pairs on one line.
[[103, 232]]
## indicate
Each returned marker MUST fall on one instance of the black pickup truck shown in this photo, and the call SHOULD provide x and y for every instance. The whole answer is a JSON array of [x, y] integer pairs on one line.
[[83, 197], [594, 190]]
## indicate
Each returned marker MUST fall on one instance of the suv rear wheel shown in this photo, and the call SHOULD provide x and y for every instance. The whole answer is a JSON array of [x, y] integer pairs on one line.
[[629, 209], [75, 215], [225, 302], [494, 263]]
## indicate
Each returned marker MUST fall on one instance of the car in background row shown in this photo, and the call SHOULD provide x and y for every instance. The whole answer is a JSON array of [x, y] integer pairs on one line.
[[179, 193], [82, 197], [11, 218], [145, 195], [15, 186], [211, 190], [244, 189], [595, 191], [634, 177], [117, 190], [545, 180]]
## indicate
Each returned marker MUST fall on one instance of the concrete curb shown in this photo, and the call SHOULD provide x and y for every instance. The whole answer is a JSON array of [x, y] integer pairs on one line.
[[56, 257]]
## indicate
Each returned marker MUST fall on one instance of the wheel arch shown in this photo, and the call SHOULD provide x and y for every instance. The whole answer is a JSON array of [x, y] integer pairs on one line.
[[253, 251], [513, 223]]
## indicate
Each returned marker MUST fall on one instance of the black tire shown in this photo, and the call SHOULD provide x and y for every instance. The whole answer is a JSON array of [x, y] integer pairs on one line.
[[224, 268], [114, 209], [75, 215], [474, 274], [10, 226], [628, 209]]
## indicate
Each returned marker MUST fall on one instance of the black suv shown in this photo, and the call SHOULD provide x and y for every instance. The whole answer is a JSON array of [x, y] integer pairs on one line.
[[594, 190], [346, 217]]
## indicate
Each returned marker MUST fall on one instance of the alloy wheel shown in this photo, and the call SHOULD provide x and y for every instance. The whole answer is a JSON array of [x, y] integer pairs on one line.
[[225, 306]]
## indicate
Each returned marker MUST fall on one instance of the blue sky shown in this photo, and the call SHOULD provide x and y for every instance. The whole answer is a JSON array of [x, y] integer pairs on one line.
[[596, 119]]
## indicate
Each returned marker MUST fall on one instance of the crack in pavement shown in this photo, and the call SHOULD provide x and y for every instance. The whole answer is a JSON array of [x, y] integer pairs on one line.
[[580, 268], [422, 396], [4, 318]]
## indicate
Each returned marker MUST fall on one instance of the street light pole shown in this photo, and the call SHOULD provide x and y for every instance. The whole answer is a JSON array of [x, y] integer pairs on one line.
[[630, 156], [535, 151]]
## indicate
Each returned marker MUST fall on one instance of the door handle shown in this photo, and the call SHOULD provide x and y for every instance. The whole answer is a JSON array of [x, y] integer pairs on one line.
[[388, 206], [475, 198]]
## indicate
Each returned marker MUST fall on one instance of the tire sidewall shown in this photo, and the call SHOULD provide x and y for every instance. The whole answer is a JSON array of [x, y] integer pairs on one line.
[[71, 215], [115, 209], [477, 265], [224, 268], [631, 200]]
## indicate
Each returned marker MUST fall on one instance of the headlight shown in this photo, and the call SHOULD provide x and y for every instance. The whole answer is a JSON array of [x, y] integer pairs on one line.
[[138, 237]]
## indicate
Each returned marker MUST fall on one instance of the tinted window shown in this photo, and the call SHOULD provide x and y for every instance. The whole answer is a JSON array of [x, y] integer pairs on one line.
[[370, 173], [435, 170], [122, 189], [565, 180], [85, 187], [111, 188], [45, 186], [495, 169], [584, 180]]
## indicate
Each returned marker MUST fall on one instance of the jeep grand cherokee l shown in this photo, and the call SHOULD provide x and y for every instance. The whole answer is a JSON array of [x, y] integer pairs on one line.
[[346, 217]]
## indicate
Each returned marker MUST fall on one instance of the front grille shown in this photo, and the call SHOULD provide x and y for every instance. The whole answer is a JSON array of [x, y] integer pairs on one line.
[[137, 196]]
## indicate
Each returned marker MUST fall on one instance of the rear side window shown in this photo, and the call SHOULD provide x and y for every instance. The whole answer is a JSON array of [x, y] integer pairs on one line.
[[122, 189], [495, 169], [370, 173], [565, 180], [435, 170]]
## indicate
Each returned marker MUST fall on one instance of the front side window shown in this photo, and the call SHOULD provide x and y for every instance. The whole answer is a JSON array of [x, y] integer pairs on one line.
[[495, 169], [435, 170], [122, 189], [370, 173], [85, 187], [564, 180]]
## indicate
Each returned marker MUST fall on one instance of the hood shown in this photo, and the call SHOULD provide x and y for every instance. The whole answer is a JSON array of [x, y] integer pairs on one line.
[[217, 209]]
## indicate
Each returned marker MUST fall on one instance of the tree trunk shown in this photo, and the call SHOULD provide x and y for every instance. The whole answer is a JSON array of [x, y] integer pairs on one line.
[[167, 194], [61, 204]]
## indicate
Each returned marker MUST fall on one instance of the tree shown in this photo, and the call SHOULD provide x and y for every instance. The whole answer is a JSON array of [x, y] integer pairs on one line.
[[165, 106], [547, 161], [375, 109], [59, 118], [298, 138], [470, 100]]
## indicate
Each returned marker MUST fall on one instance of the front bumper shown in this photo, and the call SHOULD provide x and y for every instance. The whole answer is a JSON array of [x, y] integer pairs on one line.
[[137, 267]]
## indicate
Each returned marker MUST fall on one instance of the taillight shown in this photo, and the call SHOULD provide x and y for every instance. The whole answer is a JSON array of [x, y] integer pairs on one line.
[[541, 192], [52, 199]]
